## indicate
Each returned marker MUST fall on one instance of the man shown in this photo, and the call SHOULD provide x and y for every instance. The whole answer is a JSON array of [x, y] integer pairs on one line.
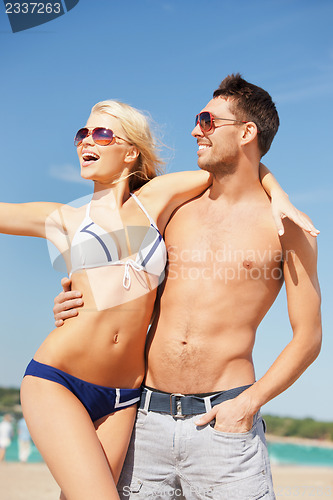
[[199, 433], [24, 440]]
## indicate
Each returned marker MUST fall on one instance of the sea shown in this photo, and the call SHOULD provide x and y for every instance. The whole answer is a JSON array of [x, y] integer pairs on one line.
[[297, 454], [280, 454]]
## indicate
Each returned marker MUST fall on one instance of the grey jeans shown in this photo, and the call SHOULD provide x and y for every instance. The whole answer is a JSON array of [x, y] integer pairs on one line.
[[171, 458]]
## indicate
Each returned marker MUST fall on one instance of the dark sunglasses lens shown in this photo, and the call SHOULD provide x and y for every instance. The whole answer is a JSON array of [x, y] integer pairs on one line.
[[81, 134], [102, 136], [205, 121]]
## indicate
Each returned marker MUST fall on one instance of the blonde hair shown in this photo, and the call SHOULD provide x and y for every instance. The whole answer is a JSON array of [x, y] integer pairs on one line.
[[136, 127]]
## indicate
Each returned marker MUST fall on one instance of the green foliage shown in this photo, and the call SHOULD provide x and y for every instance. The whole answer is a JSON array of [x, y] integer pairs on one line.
[[305, 428], [9, 400]]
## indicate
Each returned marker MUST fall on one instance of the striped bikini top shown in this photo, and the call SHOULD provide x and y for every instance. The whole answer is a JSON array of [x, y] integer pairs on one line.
[[92, 246]]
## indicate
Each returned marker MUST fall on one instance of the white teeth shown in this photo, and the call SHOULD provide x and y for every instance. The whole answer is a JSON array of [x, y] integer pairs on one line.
[[90, 155], [203, 146]]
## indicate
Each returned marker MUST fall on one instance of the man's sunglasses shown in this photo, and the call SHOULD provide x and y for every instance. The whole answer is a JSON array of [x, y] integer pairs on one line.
[[101, 136], [206, 120]]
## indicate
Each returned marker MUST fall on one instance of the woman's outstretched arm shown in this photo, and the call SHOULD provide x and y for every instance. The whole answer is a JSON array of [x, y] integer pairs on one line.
[[281, 206], [165, 193], [40, 219]]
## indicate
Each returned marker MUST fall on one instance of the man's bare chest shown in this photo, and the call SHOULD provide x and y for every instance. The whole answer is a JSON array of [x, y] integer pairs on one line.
[[224, 242]]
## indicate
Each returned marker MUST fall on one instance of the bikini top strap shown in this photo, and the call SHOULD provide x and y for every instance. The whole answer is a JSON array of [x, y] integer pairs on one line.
[[143, 209], [88, 209]]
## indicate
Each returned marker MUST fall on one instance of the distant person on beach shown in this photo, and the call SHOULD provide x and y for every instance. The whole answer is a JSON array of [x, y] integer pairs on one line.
[[6, 435], [80, 391], [24, 440], [198, 432]]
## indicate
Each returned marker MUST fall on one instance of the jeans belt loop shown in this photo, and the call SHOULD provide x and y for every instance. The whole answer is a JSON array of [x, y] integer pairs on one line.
[[208, 403], [147, 400], [179, 412]]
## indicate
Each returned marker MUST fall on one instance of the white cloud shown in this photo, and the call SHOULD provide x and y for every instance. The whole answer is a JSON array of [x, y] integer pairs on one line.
[[168, 7], [303, 92], [321, 195], [67, 173]]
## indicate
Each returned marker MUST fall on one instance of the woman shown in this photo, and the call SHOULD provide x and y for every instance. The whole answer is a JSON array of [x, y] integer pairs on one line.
[[6, 434], [80, 390]]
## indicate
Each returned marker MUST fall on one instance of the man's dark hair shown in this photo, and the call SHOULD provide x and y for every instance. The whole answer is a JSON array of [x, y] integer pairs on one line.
[[251, 103]]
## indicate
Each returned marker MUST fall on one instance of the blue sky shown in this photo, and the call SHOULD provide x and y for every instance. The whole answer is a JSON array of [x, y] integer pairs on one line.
[[165, 57]]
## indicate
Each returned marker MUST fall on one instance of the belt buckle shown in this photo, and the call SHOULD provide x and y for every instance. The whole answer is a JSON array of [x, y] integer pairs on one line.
[[179, 413]]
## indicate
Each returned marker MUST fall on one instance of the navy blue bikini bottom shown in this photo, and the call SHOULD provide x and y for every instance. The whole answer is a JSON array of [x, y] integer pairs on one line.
[[98, 400]]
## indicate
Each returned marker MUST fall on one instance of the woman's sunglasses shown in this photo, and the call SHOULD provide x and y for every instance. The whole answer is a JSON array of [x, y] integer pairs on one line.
[[206, 120], [101, 136]]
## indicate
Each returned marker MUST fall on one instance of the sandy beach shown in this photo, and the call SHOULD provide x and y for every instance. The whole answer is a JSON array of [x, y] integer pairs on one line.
[[292, 482], [27, 482], [34, 482]]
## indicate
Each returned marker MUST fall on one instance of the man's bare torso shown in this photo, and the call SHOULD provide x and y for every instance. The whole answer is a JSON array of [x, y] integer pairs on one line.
[[225, 271]]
